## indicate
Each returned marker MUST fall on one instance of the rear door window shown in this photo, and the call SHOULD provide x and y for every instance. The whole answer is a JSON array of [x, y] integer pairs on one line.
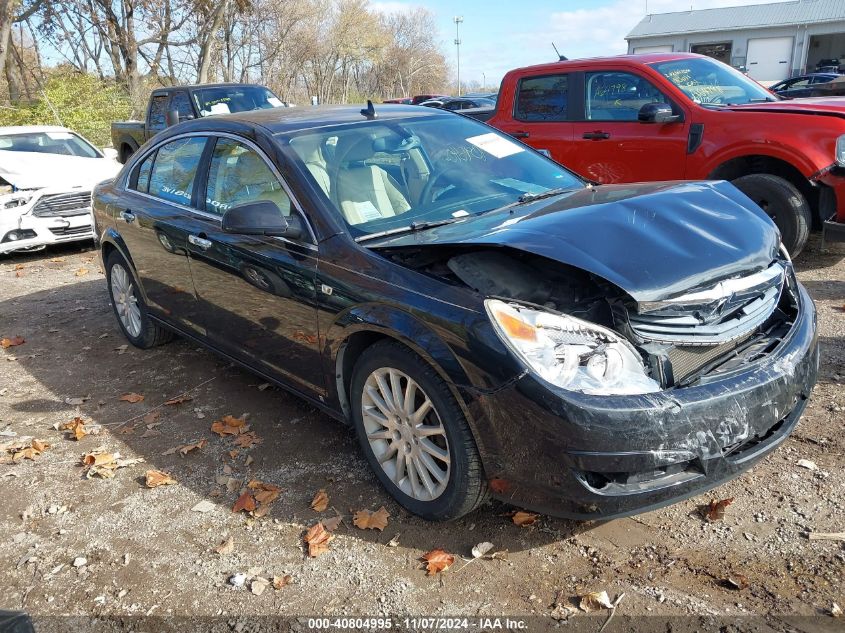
[[175, 169], [141, 180], [542, 98]]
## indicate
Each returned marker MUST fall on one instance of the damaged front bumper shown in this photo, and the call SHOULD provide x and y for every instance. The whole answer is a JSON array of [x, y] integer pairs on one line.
[[600, 457], [67, 218]]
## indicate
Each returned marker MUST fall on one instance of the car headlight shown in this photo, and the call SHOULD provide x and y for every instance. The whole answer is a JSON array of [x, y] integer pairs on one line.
[[15, 202], [570, 353], [840, 151]]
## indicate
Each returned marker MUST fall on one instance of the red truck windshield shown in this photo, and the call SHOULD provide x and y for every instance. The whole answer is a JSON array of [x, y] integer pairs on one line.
[[711, 83]]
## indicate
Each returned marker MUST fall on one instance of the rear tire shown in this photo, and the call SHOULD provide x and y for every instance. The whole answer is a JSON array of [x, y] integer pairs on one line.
[[784, 203], [421, 448], [129, 307]]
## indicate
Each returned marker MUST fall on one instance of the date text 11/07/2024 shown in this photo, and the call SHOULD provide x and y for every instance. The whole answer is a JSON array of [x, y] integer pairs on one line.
[[418, 623]]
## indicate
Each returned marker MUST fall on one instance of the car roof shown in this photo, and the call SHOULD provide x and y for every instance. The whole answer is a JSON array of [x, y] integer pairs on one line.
[[638, 59], [293, 120], [33, 129]]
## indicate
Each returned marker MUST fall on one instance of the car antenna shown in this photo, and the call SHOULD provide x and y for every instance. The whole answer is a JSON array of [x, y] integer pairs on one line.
[[369, 111], [560, 58]]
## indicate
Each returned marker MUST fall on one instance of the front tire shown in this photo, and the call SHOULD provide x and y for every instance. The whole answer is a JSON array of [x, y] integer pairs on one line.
[[784, 203], [414, 435], [129, 307]]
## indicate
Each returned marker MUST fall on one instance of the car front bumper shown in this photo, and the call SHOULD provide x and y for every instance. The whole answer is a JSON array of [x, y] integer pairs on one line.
[[596, 458], [41, 231]]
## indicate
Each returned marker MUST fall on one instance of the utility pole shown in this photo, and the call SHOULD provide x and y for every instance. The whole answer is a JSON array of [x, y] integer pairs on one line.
[[458, 19], [484, 77]]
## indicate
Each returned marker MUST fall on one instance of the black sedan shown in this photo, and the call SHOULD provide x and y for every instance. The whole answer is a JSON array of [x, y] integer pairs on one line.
[[488, 322], [459, 103], [803, 85]]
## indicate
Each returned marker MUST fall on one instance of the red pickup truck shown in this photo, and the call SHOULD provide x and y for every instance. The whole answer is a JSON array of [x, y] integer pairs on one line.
[[672, 116]]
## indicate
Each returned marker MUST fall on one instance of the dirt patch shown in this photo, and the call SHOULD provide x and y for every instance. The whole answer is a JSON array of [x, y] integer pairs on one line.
[[91, 546]]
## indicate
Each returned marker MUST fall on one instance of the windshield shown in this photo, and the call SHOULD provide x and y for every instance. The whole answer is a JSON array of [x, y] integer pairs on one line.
[[59, 142], [226, 99], [388, 175], [709, 82]]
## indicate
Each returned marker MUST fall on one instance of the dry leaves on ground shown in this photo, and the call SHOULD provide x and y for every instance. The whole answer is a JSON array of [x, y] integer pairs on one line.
[[178, 400], [226, 547], [22, 450], [132, 398], [498, 486], [257, 499], [81, 272], [98, 463], [258, 585], [156, 478], [320, 501], [229, 425], [332, 524], [367, 520], [245, 503], [282, 581], [716, 510], [318, 538], [76, 428], [595, 601], [737, 581], [6, 343], [524, 519], [437, 560], [247, 440]]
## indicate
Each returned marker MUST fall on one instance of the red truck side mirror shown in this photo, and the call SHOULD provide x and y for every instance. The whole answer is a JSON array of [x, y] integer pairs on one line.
[[657, 113]]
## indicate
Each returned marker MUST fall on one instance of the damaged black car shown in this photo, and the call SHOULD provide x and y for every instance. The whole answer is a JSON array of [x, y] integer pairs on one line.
[[487, 321]]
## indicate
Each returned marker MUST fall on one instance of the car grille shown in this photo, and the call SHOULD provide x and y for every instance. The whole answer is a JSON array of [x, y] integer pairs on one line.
[[77, 230], [727, 312], [63, 204], [688, 359]]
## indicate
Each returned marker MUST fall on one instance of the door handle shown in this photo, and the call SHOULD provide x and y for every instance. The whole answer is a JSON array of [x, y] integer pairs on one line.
[[520, 134], [128, 216], [200, 242], [596, 136]]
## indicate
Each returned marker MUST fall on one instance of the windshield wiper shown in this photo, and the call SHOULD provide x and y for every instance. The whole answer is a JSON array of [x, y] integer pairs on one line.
[[411, 228], [531, 197]]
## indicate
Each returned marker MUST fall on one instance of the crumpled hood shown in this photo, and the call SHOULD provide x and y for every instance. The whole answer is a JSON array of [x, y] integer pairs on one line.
[[35, 170], [829, 106], [653, 240]]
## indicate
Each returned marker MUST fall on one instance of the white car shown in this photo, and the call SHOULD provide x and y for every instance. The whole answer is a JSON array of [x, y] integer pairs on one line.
[[46, 177]]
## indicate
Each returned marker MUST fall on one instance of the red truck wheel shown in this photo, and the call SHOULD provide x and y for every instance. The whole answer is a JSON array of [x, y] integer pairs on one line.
[[782, 202]]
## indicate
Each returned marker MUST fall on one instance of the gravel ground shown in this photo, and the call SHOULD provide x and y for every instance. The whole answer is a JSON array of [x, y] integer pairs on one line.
[[92, 547]]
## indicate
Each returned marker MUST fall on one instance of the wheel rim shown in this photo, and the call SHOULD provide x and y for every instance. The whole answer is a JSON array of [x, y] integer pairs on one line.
[[125, 300], [405, 434]]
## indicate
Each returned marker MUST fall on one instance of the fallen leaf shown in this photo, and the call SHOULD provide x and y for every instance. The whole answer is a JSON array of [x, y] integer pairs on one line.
[[481, 549], [595, 601], [437, 560], [716, 509], [187, 448], [21, 451], [331, 524], [156, 478], [81, 272], [226, 547], [259, 585], [524, 519], [320, 501], [132, 398], [12, 342], [394, 542], [318, 538], [151, 417], [737, 581], [367, 520], [498, 486], [19, 266], [229, 425], [245, 503], [836, 611], [247, 440], [806, 463], [281, 581], [178, 400], [76, 427]]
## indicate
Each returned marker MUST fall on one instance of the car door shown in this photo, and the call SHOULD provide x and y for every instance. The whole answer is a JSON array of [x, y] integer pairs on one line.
[[541, 116], [257, 293], [155, 222], [611, 145]]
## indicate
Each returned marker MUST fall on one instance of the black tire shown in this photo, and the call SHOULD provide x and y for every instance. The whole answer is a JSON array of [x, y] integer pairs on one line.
[[151, 334], [784, 203], [466, 486]]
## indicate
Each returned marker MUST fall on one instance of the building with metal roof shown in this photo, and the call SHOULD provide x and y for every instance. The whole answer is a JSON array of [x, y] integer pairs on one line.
[[770, 41]]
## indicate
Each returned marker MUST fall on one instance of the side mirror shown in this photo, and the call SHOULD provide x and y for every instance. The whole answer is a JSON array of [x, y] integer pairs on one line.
[[171, 118], [657, 113], [261, 218]]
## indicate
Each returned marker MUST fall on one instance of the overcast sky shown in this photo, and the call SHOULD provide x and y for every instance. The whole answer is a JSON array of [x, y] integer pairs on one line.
[[499, 35]]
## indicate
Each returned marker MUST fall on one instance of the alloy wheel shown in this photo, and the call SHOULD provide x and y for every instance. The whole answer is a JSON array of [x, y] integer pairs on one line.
[[125, 300], [406, 434]]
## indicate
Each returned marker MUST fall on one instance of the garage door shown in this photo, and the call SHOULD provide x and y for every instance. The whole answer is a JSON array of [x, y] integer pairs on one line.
[[769, 58], [652, 49]]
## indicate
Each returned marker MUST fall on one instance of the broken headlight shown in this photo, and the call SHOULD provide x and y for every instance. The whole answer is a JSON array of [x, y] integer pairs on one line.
[[571, 353]]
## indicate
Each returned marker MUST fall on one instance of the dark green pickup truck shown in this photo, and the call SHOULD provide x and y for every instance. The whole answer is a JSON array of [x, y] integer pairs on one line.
[[189, 102]]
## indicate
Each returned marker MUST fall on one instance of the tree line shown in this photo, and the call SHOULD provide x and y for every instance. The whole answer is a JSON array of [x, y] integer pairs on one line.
[[337, 50]]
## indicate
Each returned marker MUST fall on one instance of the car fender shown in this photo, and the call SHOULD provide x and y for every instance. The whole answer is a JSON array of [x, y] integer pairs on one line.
[[111, 238], [790, 154]]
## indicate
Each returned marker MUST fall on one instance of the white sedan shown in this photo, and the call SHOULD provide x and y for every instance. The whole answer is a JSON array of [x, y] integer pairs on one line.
[[46, 177]]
